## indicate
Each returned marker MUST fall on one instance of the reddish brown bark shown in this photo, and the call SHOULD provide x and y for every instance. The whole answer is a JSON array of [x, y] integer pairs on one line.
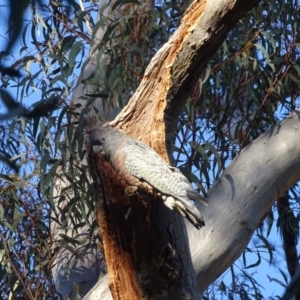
[[143, 261], [153, 242]]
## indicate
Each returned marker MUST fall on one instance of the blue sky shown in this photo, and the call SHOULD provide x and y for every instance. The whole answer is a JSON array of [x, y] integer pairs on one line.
[[260, 273]]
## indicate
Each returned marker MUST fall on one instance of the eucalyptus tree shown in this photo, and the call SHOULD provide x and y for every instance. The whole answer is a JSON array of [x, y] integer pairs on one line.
[[202, 88]]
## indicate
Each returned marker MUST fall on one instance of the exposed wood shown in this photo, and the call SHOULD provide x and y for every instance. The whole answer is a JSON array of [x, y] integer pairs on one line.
[[240, 199], [86, 259], [151, 116], [143, 261], [152, 112], [111, 220]]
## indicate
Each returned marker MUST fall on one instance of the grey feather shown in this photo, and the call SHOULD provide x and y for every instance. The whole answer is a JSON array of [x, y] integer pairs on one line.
[[144, 163]]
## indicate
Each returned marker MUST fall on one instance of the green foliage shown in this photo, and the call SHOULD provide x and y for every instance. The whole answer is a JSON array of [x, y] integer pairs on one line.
[[25, 247], [250, 83], [46, 144]]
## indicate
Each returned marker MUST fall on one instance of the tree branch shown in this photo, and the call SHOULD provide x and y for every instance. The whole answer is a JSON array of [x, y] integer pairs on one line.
[[241, 198], [152, 112]]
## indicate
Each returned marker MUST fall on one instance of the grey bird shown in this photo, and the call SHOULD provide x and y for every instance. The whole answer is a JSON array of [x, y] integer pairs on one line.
[[137, 163]]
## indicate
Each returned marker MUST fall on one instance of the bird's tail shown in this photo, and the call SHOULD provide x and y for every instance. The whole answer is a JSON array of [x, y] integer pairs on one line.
[[191, 213], [195, 196]]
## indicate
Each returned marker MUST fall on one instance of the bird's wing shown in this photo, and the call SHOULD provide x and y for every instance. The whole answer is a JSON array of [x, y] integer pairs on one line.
[[191, 213], [192, 194], [147, 165], [155, 174]]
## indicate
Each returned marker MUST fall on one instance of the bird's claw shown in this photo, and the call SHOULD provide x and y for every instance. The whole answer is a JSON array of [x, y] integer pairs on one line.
[[130, 190]]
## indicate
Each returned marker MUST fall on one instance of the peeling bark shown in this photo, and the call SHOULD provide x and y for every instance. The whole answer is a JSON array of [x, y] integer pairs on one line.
[[152, 112], [240, 199], [151, 116], [144, 256]]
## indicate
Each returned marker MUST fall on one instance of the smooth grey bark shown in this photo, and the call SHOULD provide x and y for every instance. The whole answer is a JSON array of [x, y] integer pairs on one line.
[[238, 201], [239, 224], [100, 290], [243, 196], [76, 274]]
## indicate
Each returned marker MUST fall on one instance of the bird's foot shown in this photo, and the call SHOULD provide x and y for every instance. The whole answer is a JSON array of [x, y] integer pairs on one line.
[[130, 190]]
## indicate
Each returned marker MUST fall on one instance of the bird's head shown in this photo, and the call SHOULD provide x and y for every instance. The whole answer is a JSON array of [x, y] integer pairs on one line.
[[105, 139]]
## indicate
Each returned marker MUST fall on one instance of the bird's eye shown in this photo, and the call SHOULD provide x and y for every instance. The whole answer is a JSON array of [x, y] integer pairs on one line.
[[103, 139]]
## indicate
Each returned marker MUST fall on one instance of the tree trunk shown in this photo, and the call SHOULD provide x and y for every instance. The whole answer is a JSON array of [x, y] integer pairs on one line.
[[239, 200], [75, 272], [164, 89], [145, 256]]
